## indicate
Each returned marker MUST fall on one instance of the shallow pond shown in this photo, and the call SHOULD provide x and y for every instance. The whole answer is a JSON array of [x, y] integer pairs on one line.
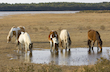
[[76, 56]]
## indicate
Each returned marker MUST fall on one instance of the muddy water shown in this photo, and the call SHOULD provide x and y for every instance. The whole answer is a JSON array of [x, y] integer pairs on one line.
[[76, 56]]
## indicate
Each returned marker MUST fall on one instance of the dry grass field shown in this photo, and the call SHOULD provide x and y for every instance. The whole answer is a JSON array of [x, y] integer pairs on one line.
[[39, 25]]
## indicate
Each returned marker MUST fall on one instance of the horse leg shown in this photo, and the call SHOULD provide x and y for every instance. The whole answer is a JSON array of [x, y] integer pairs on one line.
[[69, 43], [66, 46], [18, 45], [93, 44], [25, 48], [51, 44], [54, 47], [61, 44], [97, 46], [22, 46], [89, 44], [65, 43]]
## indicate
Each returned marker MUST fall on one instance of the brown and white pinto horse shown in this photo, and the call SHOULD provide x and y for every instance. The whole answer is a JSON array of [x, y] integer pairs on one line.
[[15, 31], [53, 39], [65, 40], [94, 36]]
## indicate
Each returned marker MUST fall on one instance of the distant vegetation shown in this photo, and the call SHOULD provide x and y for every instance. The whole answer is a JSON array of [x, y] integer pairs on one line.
[[95, 11], [54, 6]]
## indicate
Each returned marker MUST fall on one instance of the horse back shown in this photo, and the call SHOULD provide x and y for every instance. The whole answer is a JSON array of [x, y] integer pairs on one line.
[[93, 35], [22, 28], [27, 37], [64, 34]]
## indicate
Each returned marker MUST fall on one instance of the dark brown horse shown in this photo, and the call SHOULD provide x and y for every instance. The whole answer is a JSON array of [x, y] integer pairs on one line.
[[94, 36]]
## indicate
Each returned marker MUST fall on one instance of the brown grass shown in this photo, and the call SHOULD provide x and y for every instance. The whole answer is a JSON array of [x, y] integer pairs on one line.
[[39, 25]]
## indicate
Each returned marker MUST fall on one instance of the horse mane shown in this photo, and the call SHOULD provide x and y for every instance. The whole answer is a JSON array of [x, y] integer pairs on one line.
[[53, 33], [98, 33]]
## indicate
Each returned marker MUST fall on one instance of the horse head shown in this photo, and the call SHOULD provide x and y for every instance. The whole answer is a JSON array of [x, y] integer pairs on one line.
[[8, 39], [100, 44], [56, 43], [69, 41]]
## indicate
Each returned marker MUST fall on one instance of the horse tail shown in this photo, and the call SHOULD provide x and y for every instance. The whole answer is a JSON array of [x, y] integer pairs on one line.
[[17, 43]]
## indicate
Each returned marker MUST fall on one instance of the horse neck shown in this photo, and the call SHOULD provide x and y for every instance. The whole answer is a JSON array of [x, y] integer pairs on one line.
[[10, 33]]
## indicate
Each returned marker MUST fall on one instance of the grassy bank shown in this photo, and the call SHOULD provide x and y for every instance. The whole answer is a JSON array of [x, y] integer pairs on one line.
[[95, 11]]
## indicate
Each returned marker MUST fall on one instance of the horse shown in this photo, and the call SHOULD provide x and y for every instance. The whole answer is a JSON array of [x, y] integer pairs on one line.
[[24, 40], [94, 36], [65, 40], [53, 39], [15, 31]]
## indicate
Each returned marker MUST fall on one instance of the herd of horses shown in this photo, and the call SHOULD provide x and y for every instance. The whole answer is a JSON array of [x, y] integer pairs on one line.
[[23, 39]]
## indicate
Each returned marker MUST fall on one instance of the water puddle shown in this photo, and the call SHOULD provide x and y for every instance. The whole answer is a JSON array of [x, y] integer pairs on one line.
[[76, 56]]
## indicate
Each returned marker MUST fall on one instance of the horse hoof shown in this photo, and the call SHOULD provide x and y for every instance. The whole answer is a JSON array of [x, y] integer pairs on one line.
[[61, 50], [50, 50], [89, 50]]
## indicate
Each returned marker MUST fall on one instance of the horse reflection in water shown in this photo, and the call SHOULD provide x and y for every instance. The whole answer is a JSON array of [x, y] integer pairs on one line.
[[61, 58], [93, 56], [66, 57], [55, 58], [26, 57]]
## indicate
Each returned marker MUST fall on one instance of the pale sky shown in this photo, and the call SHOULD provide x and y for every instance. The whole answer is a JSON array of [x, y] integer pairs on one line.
[[43, 1]]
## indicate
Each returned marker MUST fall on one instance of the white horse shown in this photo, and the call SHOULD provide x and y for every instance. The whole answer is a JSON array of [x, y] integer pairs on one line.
[[24, 40], [53, 39], [15, 31], [65, 40]]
